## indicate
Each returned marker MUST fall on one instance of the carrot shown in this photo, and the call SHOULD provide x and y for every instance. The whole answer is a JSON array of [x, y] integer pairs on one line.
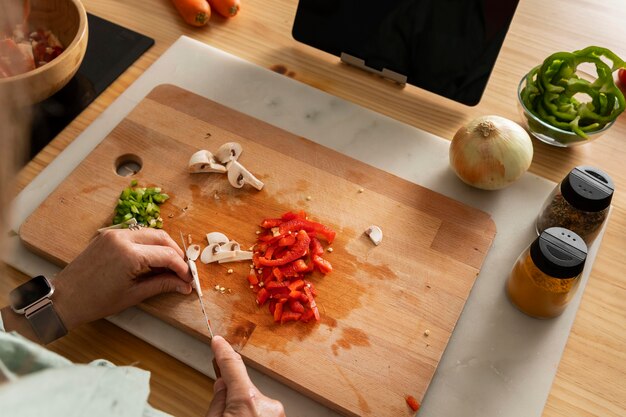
[[194, 12], [227, 8]]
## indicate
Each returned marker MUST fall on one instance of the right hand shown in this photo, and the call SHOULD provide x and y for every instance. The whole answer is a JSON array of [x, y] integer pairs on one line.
[[234, 395]]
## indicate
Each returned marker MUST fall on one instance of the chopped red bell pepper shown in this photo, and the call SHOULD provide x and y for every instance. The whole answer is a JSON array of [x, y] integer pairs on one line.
[[322, 264], [269, 223], [312, 303], [289, 316], [272, 306], [252, 278], [412, 402], [296, 306], [296, 251], [278, 274], [297, 224], [296, 285], [269, 252], [278, 311], [315, 247], [262, 296], [287, 240], [307, 316], [300, 266]]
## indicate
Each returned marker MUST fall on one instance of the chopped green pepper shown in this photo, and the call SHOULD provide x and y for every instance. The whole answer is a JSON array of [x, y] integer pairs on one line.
[[551, 87], [142, 204]]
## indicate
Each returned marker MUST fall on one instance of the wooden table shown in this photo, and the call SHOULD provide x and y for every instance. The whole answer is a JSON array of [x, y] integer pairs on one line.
[[591, 379]]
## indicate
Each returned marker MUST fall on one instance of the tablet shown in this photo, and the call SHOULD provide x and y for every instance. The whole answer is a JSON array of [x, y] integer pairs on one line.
[[448, 47]]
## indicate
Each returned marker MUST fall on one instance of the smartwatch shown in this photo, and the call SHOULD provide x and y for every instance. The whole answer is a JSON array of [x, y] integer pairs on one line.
[[32, 299]]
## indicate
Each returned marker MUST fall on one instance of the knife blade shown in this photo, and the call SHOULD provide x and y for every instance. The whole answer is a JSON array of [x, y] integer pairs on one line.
[[196, 284]]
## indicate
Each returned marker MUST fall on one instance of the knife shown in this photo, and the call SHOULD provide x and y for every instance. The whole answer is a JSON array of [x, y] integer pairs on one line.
[[196, 284]]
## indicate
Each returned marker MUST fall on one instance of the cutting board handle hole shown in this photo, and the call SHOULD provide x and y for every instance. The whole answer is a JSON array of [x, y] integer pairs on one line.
[[128, 165]]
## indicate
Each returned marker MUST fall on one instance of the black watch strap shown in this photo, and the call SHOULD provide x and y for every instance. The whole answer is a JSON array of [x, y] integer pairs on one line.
[[45, 321]]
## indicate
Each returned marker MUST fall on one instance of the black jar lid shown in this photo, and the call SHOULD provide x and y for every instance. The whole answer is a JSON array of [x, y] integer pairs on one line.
[[588, 188], [559, 253]]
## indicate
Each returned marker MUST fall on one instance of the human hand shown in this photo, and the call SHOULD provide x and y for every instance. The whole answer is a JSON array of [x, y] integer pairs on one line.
[[119, 268], [234, 395]]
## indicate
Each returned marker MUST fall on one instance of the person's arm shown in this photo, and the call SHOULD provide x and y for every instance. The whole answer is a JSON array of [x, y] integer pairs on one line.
[[14, 322], [119, 268]]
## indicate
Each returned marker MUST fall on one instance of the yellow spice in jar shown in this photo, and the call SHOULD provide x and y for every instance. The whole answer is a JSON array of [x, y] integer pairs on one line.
[[537, 294]]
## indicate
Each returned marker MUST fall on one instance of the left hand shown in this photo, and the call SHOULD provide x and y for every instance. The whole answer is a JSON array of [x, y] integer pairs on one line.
[[119, 268]]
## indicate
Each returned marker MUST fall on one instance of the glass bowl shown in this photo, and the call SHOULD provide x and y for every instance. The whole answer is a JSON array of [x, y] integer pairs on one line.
[[549, 134]]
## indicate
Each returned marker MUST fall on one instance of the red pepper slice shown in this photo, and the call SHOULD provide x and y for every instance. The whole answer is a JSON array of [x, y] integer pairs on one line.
[[297, 224], [269, 223], [287, 240], [278, 274], [312, 302], [269, 252], [289, 316], [315, 247], [412, 402], [296, 251], [272, 306], [262, 296], [307, 316], [276, 287], [278, 312], [322, 264], [296, 306], [252, 278], [296, 285]]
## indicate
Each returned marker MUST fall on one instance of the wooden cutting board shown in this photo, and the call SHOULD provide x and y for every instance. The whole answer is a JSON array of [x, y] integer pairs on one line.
[[370, 349]]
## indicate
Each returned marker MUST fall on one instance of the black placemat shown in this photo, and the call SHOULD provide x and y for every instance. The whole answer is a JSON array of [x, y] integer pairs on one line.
[[111, 49]]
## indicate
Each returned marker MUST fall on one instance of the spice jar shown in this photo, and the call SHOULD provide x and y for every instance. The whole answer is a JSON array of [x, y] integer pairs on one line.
[[546, 275], [579, 203]]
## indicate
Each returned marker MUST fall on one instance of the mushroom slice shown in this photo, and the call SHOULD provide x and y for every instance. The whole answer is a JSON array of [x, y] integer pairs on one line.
[[232, 246], [193, 252], [217, 237], [210, 253], [375, 234], [229, 151], [203, 161], [238, 255], [238, 176]]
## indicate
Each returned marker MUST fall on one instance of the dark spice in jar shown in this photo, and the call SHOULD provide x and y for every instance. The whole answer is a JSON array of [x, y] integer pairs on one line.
[[584, 223], [580, 203]]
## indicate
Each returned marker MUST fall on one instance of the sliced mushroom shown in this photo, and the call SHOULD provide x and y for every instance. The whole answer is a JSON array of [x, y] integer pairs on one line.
[[238, 255], [217, 237], [193, 252], [203, 161], [232, 246], [238, 176], [229, 151], [375, 234], [209, 254], [196, 279]]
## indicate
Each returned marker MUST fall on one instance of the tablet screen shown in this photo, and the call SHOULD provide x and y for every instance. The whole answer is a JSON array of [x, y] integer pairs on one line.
[[448, 47]]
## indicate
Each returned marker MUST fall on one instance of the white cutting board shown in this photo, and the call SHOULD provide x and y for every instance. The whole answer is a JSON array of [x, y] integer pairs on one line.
[[498, 362]]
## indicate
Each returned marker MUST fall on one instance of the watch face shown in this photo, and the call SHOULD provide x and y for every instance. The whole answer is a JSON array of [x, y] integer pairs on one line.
[[30, 292]]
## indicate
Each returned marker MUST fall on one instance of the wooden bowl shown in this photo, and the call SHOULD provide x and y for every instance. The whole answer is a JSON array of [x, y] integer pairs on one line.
[[67, 19]]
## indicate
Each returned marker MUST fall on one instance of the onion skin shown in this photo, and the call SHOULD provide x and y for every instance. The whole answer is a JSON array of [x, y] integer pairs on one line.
[[490, 152]]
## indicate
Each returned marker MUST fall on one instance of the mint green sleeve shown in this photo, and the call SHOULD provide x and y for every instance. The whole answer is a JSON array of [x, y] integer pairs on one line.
[[37, 382]]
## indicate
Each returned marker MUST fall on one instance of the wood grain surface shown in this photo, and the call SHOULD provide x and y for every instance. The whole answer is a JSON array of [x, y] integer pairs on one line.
[[591, 378], [375, 305]]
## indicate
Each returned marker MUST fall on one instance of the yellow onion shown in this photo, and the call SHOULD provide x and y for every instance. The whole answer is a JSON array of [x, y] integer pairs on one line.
[[490, 152]]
